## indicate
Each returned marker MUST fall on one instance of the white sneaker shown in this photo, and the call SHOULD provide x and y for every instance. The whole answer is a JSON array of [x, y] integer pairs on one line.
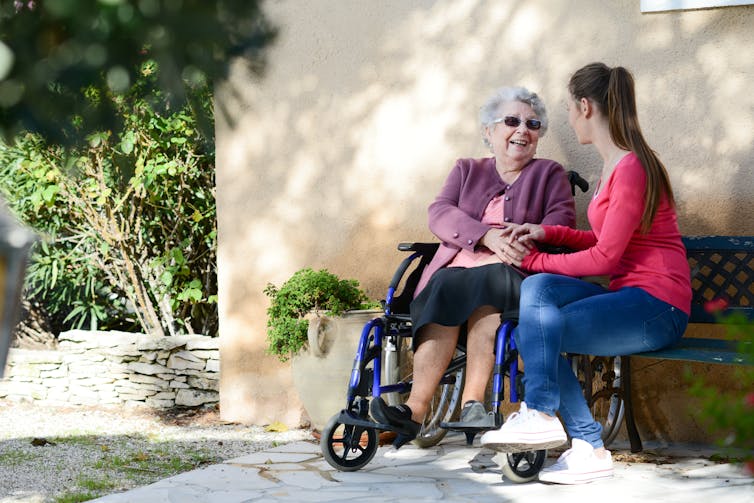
[[578, 465], [525, 430]]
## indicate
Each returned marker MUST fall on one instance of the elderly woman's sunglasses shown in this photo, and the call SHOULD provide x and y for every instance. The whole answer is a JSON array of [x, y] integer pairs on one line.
[[510, 120]]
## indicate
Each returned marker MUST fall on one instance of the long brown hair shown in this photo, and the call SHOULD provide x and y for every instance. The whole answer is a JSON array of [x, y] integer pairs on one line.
[[612, 90]]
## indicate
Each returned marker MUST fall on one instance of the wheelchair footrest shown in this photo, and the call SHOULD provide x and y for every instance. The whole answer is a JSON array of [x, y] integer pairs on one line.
[[476, 429], [469, 431], [488, 422], [349, 418]]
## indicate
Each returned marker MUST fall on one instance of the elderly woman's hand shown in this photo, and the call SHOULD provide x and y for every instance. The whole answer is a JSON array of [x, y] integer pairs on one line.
[[509, 252], [524, 234]]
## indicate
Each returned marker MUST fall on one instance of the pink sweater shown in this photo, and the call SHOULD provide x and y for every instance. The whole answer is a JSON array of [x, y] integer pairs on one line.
[[655, 261]]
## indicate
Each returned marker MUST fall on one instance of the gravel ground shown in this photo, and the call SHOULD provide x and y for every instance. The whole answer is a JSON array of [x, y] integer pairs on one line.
[[50, 454]]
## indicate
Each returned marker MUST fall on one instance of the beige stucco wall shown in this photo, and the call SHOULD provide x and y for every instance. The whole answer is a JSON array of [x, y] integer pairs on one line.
[[332, 158]]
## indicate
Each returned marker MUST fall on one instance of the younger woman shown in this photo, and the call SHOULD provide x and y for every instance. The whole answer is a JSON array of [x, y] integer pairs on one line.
[[635, 240]]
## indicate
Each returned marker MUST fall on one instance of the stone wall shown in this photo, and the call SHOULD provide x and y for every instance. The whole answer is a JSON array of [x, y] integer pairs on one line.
[[116, 368]]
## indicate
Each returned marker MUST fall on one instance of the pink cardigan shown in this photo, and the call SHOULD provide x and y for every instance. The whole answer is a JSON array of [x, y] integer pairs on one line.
[[541, 194], [655, 261]]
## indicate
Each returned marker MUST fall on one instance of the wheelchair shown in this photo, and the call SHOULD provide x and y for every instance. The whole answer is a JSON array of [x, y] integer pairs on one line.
[[382, 368]]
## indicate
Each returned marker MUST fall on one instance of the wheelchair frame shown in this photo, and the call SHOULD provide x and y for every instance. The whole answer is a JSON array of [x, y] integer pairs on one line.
[[343, 440], [356, 433]]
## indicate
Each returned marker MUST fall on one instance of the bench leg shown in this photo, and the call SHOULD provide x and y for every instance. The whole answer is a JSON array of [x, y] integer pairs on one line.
[[633, 433]]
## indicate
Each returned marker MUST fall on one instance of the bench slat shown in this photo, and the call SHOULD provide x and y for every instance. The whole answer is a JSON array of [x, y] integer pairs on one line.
[[721, 243], [702, 350]]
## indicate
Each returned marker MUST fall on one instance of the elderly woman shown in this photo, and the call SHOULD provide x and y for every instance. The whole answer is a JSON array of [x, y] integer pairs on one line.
[[469, 282]]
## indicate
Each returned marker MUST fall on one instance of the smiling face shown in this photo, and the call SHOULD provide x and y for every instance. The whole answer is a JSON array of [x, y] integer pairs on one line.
[[513, 147]]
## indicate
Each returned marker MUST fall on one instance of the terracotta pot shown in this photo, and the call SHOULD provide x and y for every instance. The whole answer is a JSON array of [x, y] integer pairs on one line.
[[322, 370]]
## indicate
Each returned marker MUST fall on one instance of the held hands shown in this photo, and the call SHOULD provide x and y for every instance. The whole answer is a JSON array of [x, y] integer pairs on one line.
[[510, 251], [525, 234]]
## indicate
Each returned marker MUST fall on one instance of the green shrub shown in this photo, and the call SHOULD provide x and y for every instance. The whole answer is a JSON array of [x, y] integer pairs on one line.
[[730, 413], [129, 220], [305, 291]]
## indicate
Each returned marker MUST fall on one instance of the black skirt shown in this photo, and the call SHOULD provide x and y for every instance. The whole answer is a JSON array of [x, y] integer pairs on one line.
[[453, 293]]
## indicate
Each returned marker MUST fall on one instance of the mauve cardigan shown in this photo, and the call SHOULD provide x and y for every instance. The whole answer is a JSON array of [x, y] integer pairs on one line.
[[541, 194]]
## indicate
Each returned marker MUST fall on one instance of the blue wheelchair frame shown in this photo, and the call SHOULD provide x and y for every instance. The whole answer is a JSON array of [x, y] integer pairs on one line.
[[506, 358], [366, 382]]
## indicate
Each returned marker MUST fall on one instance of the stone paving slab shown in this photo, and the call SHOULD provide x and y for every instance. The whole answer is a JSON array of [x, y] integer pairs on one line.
[[451, 471]]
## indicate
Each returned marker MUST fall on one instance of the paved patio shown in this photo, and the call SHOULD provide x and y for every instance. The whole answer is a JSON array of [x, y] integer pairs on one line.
[[450, 471]]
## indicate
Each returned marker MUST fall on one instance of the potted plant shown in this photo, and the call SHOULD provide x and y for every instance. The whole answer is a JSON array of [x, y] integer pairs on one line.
[[316, 319]]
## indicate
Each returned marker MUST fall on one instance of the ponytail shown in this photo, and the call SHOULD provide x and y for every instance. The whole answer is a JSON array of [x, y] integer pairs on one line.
[[612, 89]]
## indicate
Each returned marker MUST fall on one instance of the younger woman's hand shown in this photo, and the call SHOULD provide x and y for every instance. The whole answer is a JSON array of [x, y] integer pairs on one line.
[[508, 252], [524, 234]]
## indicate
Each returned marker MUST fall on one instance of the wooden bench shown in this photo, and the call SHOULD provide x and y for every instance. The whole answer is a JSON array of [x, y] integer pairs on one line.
[[722, 267]]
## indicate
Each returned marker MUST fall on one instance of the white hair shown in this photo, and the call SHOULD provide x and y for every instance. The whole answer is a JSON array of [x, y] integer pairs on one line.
[[491, 108]]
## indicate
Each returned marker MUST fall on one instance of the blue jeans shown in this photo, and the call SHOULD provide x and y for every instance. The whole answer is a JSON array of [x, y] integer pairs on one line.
[[561, 314]]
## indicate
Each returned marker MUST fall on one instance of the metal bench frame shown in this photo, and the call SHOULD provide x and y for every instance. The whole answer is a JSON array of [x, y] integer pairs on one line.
[[722, 267]]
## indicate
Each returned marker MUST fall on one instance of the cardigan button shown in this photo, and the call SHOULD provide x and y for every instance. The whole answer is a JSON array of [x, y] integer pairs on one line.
[[507, 198], [507, 219], [468, 241], [455, 234]]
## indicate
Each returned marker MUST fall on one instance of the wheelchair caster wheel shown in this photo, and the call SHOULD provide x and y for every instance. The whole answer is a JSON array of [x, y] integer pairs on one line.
[[347, 447], [521, 467]]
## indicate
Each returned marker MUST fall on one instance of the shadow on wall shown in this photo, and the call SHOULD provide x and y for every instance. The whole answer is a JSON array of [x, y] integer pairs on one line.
[[360, 136], [333, 157]]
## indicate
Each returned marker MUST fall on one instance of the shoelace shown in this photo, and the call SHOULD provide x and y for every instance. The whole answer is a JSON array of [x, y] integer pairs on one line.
[[562, 462], [522, 414], [563, 457], [575, 453]]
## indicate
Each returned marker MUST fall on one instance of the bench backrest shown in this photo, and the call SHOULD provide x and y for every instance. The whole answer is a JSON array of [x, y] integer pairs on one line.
[[722, 267]]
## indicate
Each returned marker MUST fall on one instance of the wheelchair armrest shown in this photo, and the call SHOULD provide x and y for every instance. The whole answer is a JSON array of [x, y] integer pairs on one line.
[[422, 248], [425, 251]]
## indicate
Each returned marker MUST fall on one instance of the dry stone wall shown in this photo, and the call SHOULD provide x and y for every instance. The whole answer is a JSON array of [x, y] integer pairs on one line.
[[116, 368]]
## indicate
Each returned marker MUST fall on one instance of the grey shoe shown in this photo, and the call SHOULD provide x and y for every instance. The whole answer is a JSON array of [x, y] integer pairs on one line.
[[473, 416]]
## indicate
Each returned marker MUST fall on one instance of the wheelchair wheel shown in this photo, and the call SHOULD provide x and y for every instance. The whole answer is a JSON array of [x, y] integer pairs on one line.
[[521, 467], [600, 379], [346, 447], [445, 404]]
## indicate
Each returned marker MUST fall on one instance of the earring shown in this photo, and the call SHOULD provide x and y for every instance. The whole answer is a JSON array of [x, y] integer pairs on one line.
[[488, 144]]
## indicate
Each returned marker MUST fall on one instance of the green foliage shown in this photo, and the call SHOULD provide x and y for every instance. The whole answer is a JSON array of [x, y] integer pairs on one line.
[[158, 460], [95, 484], [305, 291], [129, 218], [75, 497], [731, 413], [15, 458], [52, 49]]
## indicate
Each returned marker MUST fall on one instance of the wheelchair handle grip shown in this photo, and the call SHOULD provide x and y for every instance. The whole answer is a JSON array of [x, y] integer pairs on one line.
[[576, 181]]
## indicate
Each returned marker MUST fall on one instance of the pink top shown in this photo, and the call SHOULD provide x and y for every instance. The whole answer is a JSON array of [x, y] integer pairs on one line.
[[493, 216], [655, 261]]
